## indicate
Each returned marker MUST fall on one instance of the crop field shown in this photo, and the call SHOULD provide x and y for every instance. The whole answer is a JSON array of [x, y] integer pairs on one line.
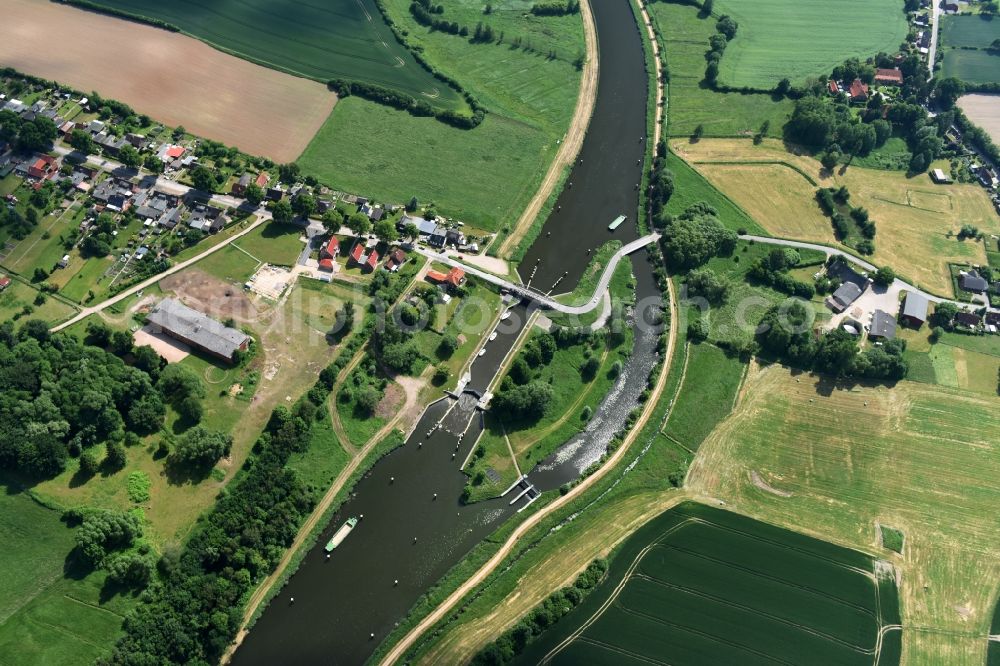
[[221, 97], [916, 220], [699, 585], [835, 460], [970, 31], [787, 39], [984, 110], [530, 99], [711, 380], [346, 39], [690, 187], [722, 114], [973, 66], [50, 611]]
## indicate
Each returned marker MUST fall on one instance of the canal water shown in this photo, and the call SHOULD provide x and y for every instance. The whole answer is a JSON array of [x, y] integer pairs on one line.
[[414, 527]]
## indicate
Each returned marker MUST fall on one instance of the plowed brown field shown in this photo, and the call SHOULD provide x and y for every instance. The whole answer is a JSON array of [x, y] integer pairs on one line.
[[172, 78]]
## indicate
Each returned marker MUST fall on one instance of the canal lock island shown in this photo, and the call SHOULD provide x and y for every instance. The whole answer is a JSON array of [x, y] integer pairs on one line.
[[557, 331]]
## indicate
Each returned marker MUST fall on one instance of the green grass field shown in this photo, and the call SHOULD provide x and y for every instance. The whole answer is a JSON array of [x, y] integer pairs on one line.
[[391, 155], [274, 243], [969, 31], [346, 39], [692, 104], [797, 40], [50, 611], [838, 459], [690, 188], [971, 66], [707, 394], [699, 585]]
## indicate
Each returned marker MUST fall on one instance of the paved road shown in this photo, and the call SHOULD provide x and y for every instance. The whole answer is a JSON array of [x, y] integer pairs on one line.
[[898, 284], [935, 24], [86, 312], [552, 304]]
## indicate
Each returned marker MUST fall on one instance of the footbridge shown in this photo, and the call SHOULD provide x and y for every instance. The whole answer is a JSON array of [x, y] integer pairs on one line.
[[544, 300]]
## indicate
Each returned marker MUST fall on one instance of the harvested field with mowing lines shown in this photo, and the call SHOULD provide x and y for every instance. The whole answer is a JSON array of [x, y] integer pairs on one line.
[[788, 39], [346, 39], [699, 585], [984, 110], [913, 216], [844, 458], [722, 114], [221, 97]]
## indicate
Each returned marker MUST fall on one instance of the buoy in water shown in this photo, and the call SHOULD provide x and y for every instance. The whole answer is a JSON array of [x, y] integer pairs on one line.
[[414, 539], [328, 556], [392, 479], [395, 583], [435, 494], [371, 636], [362, 515], [548, 233], [292, 600]]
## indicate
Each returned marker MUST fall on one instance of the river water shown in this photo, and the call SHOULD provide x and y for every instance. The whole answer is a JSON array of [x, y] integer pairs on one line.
[[414, 527]]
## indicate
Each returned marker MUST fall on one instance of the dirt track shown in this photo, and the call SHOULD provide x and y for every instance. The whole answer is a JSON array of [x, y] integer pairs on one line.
[[573, 140], [173, 78]]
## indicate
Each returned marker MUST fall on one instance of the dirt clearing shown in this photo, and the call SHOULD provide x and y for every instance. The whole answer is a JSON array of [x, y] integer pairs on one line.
[[173, 78], [169, 349], [984, 110]]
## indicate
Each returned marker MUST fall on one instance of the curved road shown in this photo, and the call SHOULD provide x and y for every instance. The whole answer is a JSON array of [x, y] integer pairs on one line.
[[543, 299], [902, 284]]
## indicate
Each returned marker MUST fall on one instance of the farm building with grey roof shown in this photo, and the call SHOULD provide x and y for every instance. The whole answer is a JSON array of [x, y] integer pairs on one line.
[[199, 330]]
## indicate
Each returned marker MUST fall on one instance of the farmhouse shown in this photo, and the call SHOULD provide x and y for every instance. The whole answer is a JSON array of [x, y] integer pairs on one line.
[[846, 294], [177, 320], [914, 309], [858, 91], [973, 282], [892, 77], [883, 326], [4, 282]]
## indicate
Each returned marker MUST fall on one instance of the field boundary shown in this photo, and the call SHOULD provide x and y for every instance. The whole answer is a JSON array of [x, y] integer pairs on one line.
[[794, 168]]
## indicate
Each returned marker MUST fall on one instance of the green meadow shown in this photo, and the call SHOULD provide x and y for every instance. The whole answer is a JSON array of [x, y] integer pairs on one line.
[[976, 32], [711, 381], [690, 102], [972, 66], [346, 39], [484, 176], [780, 39]]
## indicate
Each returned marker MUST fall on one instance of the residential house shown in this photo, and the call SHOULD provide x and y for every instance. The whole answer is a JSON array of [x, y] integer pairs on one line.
[[973, 282], [239, 188], [453, 279], [168, 152], [371, 261], [396, 259], [892, 77], [833, 87], [846, 293], [438, 237], [914, 311], [454, 237], [327, 254], [358, 253], [196, 329], [262, 179], [992, 321], [275, 193], [4, 282], [42, 167], [883, 326], [858, 91], [968, 319]]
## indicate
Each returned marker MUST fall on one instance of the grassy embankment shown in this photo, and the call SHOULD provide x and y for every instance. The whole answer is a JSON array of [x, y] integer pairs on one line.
[[685, 34], [780, 39], [530, 98], [915, 444], [917, 221]]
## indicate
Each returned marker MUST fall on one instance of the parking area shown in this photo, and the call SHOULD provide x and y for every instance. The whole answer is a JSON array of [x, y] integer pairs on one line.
[[169, 349]]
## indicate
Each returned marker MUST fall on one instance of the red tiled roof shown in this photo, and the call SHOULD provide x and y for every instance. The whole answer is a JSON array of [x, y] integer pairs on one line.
[[455, 276], [858, 89], [326, 264], [436, 276], [175, 151], [889, 75], [833, 87], [262, 179], [357, 252], [372, 259], [4, 282], [332, 246]]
